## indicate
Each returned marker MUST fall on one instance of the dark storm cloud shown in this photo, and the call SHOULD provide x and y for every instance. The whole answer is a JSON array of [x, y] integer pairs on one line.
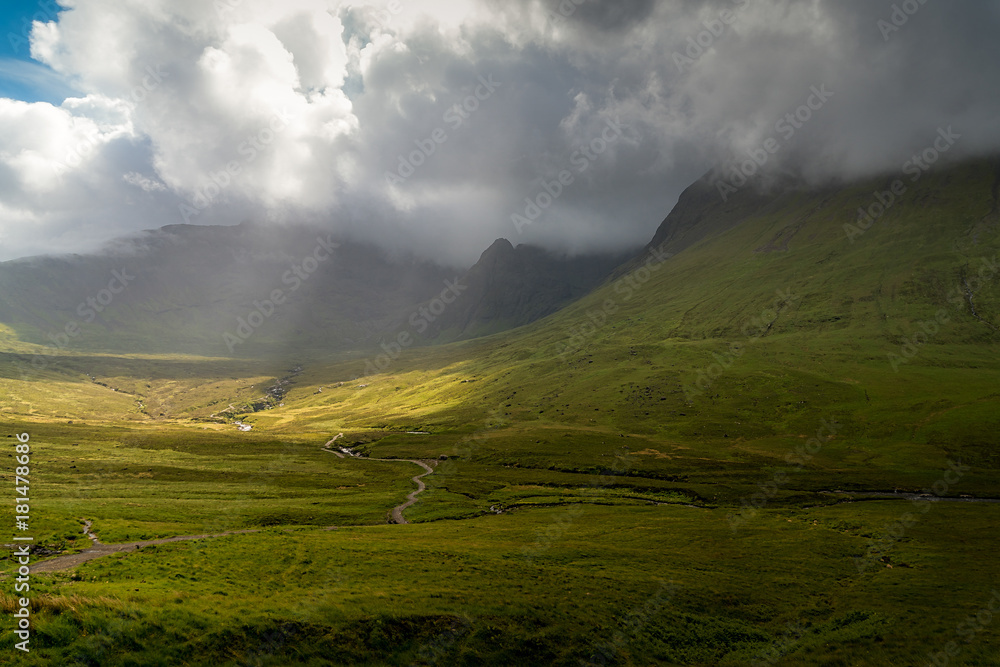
[[610, 16]]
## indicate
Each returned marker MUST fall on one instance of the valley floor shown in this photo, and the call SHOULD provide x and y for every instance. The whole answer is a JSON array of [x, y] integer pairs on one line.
[[633, 562]]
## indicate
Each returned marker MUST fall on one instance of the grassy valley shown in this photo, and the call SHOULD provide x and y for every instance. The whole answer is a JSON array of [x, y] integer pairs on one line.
[[707, 460]]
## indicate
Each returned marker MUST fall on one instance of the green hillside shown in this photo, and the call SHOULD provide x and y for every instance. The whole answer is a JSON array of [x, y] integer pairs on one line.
[[751, 336]]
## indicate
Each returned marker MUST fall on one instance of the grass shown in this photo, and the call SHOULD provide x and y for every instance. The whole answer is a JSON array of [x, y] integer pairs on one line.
[[142, 483], [378, 594]]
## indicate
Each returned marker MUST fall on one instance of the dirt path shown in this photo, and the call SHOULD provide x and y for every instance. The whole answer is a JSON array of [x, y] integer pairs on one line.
[[396, 513], [72, 560], [98, 549], [889, 495], [326, 447]]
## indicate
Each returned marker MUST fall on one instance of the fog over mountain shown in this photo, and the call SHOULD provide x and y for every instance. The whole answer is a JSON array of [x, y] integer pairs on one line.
[[437, 127]]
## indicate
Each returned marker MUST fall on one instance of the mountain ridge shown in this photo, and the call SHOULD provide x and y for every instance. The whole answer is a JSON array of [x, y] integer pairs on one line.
[[251, 289]]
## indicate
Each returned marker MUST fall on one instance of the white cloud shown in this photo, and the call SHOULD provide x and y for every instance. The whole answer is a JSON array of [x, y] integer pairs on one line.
[[143, 183], [297, 109]]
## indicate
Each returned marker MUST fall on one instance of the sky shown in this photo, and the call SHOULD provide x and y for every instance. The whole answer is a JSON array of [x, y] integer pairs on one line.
[[439, 126]]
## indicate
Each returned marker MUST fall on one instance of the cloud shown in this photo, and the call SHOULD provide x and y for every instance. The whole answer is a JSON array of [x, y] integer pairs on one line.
[[143, 183], [315, 110]]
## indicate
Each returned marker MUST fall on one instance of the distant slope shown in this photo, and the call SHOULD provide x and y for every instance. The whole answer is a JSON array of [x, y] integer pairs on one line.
[[263, 291], [211, 291], [509, 287]]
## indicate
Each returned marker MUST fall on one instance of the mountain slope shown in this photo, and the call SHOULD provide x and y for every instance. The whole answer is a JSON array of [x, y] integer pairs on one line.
[[213, 291], [747, 340], [757, 330], [252, 291], [509, 287]]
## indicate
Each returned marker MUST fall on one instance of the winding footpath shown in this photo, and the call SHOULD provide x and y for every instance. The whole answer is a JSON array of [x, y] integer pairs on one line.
[[892, 495], [72, 560], [98, 549], [326, 447], [396, 513]]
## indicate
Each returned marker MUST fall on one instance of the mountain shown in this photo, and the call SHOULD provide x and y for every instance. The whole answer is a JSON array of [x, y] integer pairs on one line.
[[747, 338], [215, 291], [509, 287], [254, 290]]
